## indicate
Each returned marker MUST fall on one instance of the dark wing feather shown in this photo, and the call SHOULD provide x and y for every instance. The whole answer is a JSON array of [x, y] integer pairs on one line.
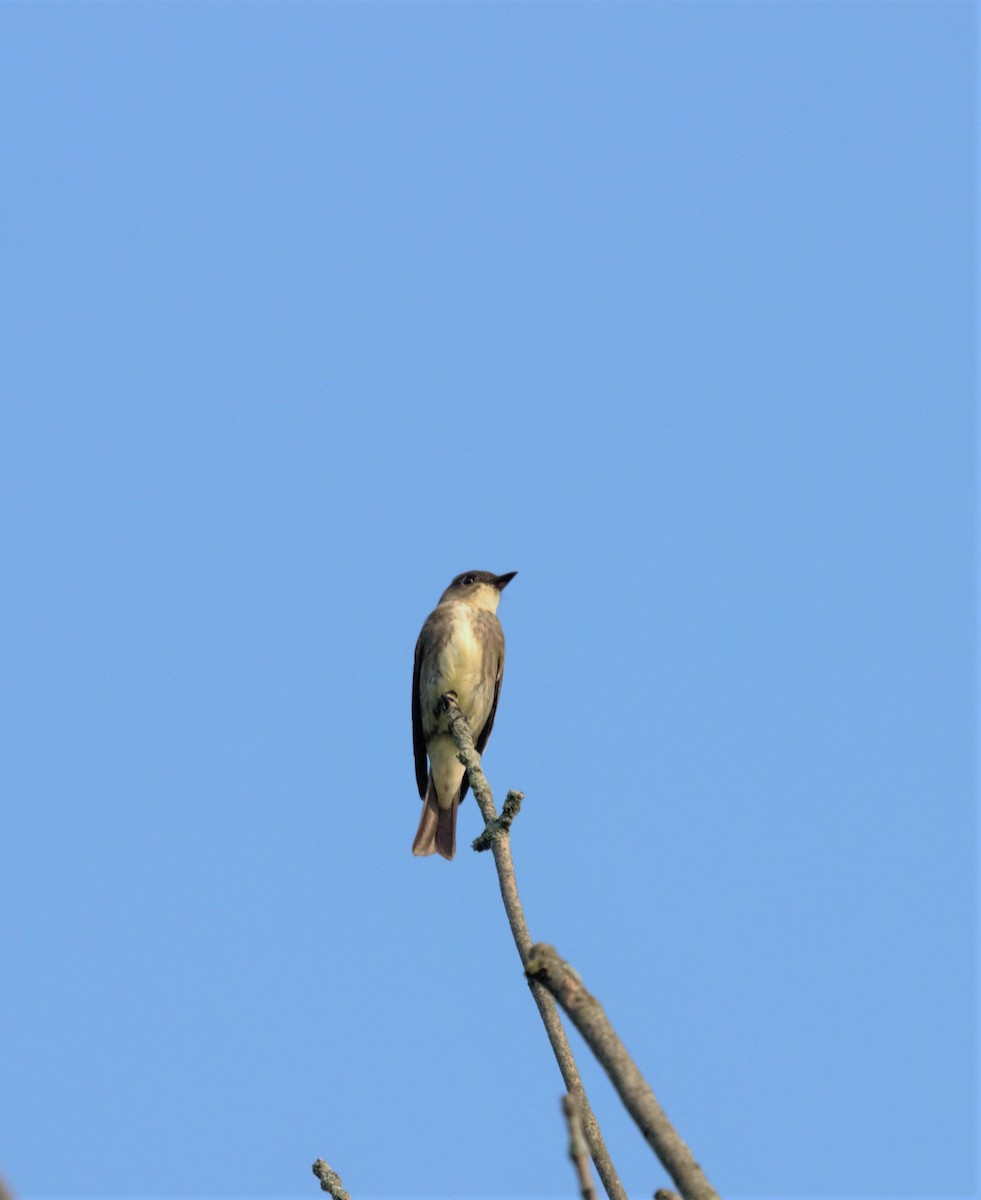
[[418, 741], [489, 723]]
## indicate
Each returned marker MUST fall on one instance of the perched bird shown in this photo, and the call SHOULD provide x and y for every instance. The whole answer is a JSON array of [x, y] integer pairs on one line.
[[461, 650]]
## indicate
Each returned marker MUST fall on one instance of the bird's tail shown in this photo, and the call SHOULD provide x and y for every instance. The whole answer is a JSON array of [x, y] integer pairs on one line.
[[437, 826]]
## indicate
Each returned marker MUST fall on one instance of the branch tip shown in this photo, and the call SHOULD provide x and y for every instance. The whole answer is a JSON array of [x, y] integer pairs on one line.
[[330, 1181]]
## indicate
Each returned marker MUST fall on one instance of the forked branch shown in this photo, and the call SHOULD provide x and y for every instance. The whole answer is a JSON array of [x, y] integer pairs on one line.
[[586, 1013], [496, 833], [546, 970]]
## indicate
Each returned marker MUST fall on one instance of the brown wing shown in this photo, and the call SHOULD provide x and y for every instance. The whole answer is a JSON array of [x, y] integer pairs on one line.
[[489, 723], [418, 741]]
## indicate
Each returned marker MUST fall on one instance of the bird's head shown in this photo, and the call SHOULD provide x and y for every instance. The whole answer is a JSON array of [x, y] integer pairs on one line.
[[480, 589]]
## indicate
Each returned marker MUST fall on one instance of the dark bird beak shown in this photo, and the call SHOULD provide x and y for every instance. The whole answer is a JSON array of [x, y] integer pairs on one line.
[[502, 581]]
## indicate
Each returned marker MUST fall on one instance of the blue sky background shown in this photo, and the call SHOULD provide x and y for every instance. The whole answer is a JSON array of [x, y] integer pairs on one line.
[[307, 308]]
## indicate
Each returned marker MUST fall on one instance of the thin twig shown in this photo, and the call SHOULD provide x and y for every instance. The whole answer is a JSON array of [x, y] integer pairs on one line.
[[500, 841], [578, 1149], [330, 1181], [565, 984]]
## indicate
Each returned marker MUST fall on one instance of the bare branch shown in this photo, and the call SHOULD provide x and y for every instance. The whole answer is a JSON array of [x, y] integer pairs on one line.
[[578, 1148], [500, 843], [330, 1181], [565, 984]]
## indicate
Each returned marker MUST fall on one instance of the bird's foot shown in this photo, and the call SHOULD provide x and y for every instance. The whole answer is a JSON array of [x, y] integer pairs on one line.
[[444, 702]]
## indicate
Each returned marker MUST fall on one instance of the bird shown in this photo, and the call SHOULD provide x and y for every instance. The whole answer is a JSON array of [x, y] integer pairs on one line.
[[461, 650]]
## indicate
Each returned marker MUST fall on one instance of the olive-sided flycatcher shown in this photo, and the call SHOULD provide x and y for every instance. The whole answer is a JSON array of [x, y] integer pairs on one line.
[[461, 650]]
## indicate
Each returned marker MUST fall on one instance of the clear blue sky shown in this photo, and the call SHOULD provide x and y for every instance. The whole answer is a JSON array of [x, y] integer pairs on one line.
[[307, 308]]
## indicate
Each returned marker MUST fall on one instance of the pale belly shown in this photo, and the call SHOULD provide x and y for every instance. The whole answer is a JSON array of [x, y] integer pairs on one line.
[[464, 668]]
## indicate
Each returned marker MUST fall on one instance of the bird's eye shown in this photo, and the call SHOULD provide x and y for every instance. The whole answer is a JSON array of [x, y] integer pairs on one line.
[[468, 580]]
